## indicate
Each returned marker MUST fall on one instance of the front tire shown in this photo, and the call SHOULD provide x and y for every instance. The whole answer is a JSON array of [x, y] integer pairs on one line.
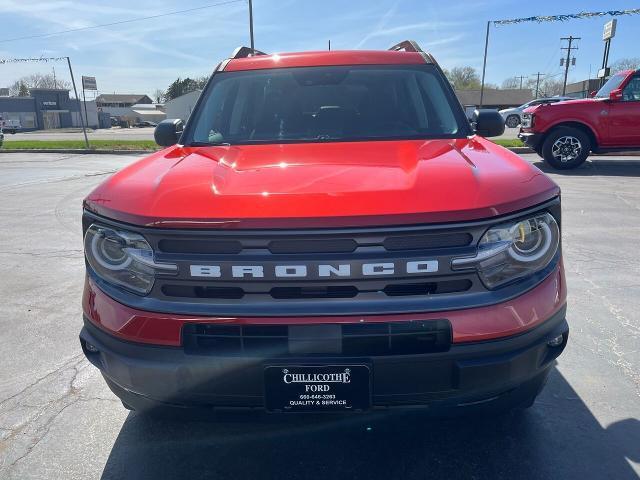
[[566, 148], [512, 121]]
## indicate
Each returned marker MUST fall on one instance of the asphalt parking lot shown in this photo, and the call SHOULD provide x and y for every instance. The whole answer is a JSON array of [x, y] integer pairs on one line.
[[58, 420]]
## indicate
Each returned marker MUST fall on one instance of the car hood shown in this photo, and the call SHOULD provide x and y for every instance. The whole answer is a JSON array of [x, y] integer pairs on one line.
[[322, 184], [580, 103]]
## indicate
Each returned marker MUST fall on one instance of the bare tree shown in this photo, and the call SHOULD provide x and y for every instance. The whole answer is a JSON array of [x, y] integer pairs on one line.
[[630, 63], [158, 95], [464, 78], [37, 80], [548, 87], [511, 82]]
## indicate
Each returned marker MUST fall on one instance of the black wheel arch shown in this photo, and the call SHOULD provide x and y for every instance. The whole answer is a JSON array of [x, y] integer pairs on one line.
[[579, 126]]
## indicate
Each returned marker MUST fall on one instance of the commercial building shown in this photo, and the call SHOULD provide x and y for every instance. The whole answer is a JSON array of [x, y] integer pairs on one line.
[[495, 98], [131, 108], [582, 89], [118, 104], [47, 108], [182, 106]]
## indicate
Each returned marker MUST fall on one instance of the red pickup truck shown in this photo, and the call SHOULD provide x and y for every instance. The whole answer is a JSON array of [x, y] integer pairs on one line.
[[565, 133]]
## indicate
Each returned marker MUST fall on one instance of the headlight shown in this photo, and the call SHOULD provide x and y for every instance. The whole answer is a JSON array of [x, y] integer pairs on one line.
[[527, 120], [123, 258], [514, 250]]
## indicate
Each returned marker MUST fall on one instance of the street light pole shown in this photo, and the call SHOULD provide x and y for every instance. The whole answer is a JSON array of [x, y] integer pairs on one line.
[[75, 91], [484, 63], [251, 23]]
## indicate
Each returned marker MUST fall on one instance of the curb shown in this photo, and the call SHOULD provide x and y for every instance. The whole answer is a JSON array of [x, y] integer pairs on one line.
[[520, 149], [77, 150]]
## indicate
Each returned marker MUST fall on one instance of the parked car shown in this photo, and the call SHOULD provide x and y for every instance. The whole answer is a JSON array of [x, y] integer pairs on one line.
[[144, 124], [513, 116], [565, 133], [10, 126], [327, 233]]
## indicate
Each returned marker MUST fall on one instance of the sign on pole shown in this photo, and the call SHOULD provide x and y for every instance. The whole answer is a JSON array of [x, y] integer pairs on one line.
[[609, 29], [89, 83]]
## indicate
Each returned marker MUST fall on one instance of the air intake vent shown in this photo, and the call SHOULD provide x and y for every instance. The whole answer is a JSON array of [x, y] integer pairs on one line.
[[353, 339]]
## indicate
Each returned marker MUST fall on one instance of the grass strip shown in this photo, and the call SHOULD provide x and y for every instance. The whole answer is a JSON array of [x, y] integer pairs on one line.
[[79, 144]]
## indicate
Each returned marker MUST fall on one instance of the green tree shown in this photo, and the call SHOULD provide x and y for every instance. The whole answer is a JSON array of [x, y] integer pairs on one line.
[[464, 78], [182, 86]]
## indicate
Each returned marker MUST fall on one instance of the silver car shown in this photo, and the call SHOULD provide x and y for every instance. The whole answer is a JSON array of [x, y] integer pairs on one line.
[[513, 116]]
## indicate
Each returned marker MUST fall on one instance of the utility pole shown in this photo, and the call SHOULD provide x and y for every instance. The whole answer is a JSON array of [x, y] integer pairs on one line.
[[538, 75], [521, 77], [484, 63], [568, 48], [251, 23], [75, 90]]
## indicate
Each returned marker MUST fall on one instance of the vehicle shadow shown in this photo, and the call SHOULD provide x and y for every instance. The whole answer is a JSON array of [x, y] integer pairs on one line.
[[558, 438], [603, 167]]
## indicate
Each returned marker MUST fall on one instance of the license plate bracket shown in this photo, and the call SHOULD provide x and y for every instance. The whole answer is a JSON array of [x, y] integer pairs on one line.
[[317, 388]]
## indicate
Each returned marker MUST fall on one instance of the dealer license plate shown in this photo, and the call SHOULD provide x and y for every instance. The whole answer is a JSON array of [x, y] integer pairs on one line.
[[315, 388]]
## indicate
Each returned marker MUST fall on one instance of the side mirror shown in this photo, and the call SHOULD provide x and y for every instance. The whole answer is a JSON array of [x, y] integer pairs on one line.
[[168, 132], [615, 94], [593, 94], [487, 122]]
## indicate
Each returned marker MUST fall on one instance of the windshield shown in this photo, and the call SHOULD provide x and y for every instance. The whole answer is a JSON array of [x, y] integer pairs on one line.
[[325, 104], [613, 83]]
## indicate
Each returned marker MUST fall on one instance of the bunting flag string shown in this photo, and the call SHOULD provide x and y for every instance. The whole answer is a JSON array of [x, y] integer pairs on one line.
[[4, 61], [570, 16]]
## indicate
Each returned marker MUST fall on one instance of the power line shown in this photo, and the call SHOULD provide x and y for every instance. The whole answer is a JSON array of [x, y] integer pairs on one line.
[[137, 19]]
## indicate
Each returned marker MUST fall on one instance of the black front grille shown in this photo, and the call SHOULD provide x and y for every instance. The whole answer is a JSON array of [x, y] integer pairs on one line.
[[210, 278], [273, 295], [354, 339], [434, 240], [291, 292]]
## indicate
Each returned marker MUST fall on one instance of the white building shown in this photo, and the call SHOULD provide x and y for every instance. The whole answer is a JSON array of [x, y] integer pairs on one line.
[[181, 107], [146, 112]]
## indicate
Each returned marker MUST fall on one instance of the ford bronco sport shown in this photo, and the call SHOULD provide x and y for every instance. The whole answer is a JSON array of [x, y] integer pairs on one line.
[[565, 133], [326, 233]]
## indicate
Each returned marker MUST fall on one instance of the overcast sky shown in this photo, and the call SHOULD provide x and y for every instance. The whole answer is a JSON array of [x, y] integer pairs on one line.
[[141, 56]]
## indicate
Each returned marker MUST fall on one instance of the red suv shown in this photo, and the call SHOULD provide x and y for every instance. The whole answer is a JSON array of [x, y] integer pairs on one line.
[[327, 233], [565, 133]]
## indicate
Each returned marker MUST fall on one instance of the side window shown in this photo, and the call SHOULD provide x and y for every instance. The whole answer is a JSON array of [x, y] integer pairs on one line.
[[631, 92]]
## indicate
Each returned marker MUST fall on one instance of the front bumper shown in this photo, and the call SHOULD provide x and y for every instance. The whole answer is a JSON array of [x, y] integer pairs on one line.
[[466, 374], [532, 140]]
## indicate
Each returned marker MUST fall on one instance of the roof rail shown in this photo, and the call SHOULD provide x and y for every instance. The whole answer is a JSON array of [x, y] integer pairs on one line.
[[412, 46], [407, 46], [244, 52]]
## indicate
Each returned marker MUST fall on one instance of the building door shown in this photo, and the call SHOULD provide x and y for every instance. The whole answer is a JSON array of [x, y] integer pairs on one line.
[[50, 120]]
